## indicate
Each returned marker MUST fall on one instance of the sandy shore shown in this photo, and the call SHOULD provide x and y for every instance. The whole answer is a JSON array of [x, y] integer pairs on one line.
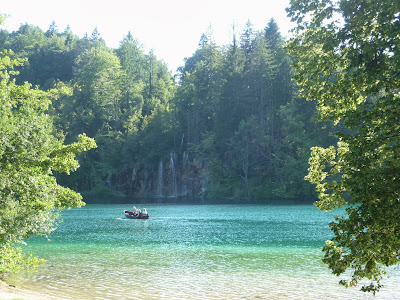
[[8, 292]]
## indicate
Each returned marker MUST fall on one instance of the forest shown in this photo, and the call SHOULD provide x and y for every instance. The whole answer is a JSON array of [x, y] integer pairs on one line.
[[229, 125]]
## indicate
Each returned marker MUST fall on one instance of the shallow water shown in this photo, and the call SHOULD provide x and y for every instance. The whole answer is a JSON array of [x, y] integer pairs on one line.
[[191, 252]]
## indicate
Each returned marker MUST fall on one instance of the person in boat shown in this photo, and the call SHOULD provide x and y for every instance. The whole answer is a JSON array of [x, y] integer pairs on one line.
[[144, 212], [135, 211]]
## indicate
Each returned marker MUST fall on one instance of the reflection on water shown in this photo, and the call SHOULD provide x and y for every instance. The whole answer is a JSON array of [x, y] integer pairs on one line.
[[191, 252]]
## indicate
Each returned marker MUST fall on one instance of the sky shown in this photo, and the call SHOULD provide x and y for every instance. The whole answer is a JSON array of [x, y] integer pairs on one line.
[[172, 28]]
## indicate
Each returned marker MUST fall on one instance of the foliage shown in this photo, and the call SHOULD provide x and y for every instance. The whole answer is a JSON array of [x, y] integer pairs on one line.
[[234, 112], [231, 100], [30, 153], [13, 259], [347, 57]]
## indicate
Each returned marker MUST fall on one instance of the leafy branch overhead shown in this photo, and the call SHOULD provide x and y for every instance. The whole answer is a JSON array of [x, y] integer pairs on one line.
[[29, 154], [347, 57]]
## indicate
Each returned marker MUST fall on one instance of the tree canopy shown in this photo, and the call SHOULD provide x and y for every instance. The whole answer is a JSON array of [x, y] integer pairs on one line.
[[347, 57], [31, 151], [231, 117]]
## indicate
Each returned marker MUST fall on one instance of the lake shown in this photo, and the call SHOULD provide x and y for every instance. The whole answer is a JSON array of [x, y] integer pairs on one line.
[[191, 252]]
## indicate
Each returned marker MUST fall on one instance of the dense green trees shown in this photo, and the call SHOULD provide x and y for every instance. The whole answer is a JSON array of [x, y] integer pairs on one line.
[[237, 104], [31, 151], [225, 130], [347, 57]]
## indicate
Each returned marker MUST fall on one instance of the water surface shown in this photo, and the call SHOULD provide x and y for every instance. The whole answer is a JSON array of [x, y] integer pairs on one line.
[[191, 252]]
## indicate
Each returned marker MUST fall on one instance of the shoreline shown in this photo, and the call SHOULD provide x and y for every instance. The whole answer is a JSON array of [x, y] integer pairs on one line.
[[8, 292]]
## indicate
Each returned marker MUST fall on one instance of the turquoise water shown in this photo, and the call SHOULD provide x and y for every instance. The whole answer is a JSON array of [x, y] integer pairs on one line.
[[191, 252]]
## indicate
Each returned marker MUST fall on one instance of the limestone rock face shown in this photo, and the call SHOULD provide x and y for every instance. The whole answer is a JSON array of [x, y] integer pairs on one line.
[[176, 175]]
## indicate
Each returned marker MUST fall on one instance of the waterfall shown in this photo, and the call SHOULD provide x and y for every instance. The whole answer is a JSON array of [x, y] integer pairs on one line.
[[174, 187], [185, 158], [160, 180]]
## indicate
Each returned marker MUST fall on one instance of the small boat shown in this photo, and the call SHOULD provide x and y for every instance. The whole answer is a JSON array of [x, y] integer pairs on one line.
[[131, 215]]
